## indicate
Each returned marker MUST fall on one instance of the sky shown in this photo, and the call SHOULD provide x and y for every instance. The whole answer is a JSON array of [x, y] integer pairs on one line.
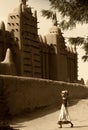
[[6, 6]]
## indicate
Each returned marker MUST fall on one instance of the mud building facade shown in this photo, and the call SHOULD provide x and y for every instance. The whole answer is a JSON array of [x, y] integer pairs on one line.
[[25, 53]]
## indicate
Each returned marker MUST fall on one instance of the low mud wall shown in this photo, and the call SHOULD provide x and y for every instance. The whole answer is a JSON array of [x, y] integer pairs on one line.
[[25, 94]]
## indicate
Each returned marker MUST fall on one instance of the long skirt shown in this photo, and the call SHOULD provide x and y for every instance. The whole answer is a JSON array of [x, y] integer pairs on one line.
[[64, 115]]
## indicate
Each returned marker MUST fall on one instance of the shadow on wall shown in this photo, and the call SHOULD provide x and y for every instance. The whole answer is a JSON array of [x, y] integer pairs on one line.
[[31, 94], [38, 113]]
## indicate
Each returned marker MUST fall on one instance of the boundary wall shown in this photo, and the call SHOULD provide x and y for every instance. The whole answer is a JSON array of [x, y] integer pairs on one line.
[[26, 94]]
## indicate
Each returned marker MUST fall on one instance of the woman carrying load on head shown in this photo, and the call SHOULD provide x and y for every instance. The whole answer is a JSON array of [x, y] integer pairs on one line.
[[64, 114]]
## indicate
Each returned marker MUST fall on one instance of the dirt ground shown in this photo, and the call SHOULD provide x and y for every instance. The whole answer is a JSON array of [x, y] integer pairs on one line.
[[46, 119]]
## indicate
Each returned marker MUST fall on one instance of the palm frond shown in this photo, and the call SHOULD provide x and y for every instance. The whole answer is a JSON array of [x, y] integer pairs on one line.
[[85, 58], [76, 40], [47, 13], [85, 47]]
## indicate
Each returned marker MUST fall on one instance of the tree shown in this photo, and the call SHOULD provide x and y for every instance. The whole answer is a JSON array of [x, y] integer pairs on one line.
[[72, 12]]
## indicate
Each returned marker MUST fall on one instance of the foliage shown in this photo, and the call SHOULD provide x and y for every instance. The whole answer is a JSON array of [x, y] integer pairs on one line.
[[83, 42], [72, 13], [77, 40], [76, 11]]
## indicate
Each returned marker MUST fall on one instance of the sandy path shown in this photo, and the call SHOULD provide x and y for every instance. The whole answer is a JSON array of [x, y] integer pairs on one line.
[[47, 119]]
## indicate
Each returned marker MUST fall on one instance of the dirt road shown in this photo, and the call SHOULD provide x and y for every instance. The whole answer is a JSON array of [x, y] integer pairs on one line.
[[46, 119]]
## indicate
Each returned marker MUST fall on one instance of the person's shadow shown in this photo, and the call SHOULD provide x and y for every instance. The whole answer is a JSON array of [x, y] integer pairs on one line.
[[80, 126], [83, 126], [67, 127]]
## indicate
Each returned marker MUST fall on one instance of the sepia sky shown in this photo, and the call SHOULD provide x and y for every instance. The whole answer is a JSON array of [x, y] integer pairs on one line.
[[6, 6]]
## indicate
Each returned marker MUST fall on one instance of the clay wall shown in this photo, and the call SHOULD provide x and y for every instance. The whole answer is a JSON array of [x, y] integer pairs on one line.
[[25, 94]]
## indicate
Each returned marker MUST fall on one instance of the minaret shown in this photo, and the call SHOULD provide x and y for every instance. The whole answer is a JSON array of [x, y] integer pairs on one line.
[[55, 36], [58, 70], [52, 40], [54, 31]]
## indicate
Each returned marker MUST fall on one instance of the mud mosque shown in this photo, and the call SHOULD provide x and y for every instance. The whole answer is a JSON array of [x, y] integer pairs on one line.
[[25, 53]]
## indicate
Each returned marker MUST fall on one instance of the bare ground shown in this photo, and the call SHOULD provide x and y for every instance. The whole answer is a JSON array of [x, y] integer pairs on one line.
[[46, 119]]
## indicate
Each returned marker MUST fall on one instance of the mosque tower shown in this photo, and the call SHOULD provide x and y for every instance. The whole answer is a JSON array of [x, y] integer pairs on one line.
[[23, 23], [59, 63]]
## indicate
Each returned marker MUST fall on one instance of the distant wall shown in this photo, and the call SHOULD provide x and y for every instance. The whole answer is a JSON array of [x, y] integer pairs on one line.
[[24, 93]]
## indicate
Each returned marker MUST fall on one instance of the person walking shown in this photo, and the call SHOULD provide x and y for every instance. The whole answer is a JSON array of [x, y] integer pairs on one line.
[[64, 117]]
